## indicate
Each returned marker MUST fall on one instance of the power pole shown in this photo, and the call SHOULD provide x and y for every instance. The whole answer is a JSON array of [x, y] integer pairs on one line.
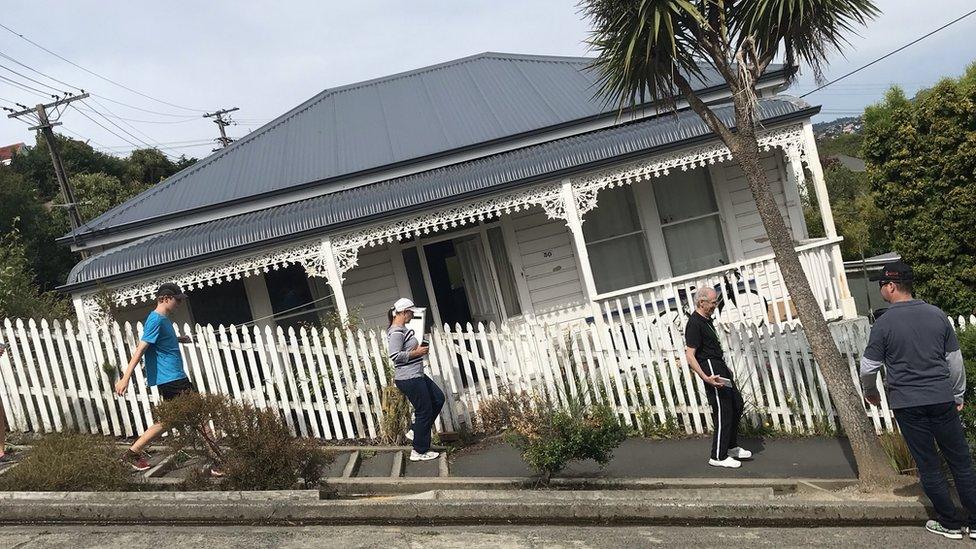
[[222, 123], [44, 127]]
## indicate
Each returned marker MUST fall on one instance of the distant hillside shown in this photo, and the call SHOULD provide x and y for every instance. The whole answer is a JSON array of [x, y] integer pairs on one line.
[[840, 126]]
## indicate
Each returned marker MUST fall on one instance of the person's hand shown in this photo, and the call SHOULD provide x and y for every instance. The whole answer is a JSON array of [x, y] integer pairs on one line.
[[421, 350], [121, 385], [714, 381], [185, 339], [959, 407], [873, 399]]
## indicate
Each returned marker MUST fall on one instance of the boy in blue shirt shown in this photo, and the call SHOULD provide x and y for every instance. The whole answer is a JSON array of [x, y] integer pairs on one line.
[[164, 365]]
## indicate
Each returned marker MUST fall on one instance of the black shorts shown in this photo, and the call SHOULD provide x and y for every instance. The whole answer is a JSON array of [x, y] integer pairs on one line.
[[175, 388]]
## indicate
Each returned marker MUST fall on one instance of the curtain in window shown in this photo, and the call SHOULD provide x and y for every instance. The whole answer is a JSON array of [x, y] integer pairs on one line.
[[690, 221], [615, 242]]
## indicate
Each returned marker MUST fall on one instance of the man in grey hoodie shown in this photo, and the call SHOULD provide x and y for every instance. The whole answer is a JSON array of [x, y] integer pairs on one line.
[[925, 382]]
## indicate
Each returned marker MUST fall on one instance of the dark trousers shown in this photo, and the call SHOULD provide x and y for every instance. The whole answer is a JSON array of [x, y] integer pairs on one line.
[[427, 400], [727, 405], [925, 429]]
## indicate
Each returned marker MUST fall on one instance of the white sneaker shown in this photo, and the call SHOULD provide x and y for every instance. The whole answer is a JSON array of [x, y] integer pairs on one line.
[[408, 435], [740, 453], [426, 456], [729, 462]]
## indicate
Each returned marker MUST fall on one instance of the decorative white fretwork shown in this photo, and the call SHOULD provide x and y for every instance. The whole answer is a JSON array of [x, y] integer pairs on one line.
[[445, 219], [346, 246], [586, 188]]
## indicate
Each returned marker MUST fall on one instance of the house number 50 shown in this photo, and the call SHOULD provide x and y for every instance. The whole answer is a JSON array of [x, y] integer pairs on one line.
[[547, 254]]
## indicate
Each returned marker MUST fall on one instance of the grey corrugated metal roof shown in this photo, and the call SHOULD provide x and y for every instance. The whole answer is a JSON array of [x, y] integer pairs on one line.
[[382, 122], [400, 195]]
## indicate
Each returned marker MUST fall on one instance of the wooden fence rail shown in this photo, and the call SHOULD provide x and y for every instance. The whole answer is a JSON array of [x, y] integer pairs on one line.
[[329, 385]]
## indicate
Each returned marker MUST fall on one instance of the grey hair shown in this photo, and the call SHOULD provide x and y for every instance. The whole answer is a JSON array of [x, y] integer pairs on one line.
[[703, 294]]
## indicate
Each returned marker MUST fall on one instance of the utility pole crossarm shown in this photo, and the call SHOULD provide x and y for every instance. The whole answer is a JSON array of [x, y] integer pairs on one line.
[[45, 126], [222, 123]]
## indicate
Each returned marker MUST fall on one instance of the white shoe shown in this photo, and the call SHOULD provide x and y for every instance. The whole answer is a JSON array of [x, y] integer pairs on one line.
[[729, 462], [740, 453], [426, 456], [408, 435]]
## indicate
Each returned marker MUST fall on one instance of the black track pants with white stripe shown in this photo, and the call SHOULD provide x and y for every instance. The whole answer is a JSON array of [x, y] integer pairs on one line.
[[726, 403]]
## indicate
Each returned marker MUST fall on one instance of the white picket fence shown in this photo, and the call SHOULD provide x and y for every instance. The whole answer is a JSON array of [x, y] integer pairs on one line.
[[328, 385]]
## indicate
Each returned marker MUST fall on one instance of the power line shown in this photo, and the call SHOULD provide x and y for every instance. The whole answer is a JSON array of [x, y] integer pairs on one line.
[[49, 77], [93, 73], [124, 122], [889, 54], [27, 88], [8, 69], [187, 117]]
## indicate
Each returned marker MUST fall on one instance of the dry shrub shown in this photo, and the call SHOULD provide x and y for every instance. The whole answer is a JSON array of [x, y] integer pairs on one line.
[[256, 450], [396, 412], [509, 410], [69, 462]]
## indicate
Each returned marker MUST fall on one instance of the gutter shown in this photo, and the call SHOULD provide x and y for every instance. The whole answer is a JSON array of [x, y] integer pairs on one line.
[[295, 237]]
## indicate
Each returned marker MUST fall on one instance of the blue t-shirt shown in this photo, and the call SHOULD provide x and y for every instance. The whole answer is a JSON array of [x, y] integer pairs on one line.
[[163, 360]]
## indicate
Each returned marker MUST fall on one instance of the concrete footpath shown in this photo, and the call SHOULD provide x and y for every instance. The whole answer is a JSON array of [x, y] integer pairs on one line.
[[791, 482]]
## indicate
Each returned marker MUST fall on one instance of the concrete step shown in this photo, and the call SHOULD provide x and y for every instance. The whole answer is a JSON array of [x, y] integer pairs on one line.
[[669, 494]]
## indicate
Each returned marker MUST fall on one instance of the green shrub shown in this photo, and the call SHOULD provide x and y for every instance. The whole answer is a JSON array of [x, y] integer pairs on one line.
[[68, 462], [650, 426], [898, 454], [256, 450], [550, 437]]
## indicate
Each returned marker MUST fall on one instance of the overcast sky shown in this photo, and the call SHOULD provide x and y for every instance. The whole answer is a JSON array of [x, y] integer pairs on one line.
[[267, 57]]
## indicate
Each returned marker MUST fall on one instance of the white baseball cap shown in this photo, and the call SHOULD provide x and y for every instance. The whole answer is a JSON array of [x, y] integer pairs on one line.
[[404, 304]]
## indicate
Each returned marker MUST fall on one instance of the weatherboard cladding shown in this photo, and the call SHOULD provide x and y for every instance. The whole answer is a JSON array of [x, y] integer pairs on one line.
[[409, 193], [374, 124]]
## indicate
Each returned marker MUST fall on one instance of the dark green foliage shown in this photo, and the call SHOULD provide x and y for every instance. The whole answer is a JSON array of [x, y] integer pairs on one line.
[[19, 296], [921, 156], [967, 343], [68, 462], [856, 216], [256, 450], [29, 192]]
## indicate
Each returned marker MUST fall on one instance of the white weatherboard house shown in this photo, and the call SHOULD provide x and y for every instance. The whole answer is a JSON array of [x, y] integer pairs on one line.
[[492, 188]]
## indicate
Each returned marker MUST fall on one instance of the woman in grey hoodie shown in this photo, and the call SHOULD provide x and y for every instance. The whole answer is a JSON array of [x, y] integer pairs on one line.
[[424, 395]]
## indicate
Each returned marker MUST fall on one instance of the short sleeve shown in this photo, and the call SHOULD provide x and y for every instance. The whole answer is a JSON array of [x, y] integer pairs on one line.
[[876, 343], [693, 335], [951, 341], [150, 332]]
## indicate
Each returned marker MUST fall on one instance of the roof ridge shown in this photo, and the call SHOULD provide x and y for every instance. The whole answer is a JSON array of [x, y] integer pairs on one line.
[[304, 107]]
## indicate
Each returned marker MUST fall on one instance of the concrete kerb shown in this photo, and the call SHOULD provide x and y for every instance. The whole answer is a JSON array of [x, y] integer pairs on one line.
[[508, 509]]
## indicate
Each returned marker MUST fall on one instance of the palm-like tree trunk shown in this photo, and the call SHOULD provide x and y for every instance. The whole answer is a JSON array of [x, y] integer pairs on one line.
[[872, 463]]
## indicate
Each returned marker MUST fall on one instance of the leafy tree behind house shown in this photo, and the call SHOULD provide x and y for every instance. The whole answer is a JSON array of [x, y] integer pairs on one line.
[[921, 156], [30, 200], [856, 215]]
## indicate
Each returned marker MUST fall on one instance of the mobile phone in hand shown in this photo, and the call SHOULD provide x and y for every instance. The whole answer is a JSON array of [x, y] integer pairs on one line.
[[726, 382]]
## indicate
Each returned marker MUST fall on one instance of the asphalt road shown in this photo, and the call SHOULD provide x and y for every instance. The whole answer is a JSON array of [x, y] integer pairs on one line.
[[466, 537]]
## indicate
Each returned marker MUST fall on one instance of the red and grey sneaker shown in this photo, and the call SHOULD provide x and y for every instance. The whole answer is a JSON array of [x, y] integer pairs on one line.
[[138, 462]]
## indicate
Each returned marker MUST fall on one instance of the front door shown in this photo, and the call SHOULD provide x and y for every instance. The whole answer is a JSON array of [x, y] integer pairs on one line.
[[461, 279]]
